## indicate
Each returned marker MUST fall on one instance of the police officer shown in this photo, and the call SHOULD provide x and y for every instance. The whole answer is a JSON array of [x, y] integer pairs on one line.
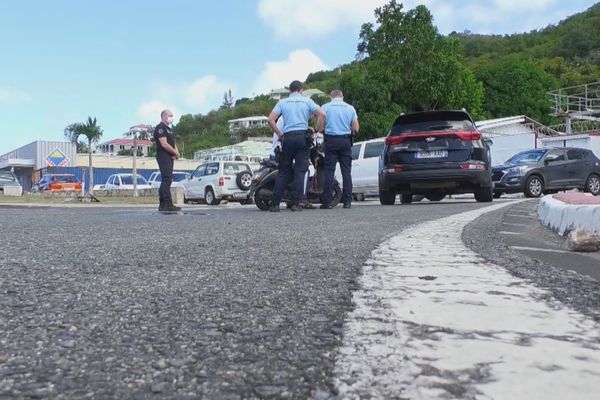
[[296, 111], [340, 126], [166, 154]]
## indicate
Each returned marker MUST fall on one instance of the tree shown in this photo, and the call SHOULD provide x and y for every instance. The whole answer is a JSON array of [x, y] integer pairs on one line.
[[515, 87], [92, 132], [228, 101], [427, 66]]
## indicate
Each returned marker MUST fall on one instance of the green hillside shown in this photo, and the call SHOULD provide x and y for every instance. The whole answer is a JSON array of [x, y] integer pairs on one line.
[[404, 64]]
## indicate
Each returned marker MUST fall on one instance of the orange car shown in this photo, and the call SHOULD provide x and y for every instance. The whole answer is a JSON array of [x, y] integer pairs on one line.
[[59, 183]]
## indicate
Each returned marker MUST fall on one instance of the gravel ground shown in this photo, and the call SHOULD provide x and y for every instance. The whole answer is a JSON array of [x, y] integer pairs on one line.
[[218, 303], [579, 291]]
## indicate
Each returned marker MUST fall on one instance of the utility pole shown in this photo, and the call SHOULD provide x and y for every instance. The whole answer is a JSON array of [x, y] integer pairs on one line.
[[133, 131]]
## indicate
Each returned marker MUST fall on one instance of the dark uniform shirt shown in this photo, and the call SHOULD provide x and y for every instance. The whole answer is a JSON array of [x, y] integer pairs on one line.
[[163, 130]]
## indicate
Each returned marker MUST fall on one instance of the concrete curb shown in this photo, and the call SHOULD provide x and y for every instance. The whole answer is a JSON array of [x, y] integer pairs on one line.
[[563, 218]]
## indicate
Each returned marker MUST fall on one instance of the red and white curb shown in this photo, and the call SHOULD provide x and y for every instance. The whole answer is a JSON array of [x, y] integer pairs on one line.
[[433, 320], [562, 217]]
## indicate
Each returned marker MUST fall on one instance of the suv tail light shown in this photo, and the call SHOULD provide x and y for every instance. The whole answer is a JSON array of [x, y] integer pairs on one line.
[[393, 170], [473, 165], [221, 181], [468, 135]]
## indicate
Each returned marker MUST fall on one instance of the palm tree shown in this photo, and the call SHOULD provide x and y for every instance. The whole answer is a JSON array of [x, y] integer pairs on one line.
[[93, 132]]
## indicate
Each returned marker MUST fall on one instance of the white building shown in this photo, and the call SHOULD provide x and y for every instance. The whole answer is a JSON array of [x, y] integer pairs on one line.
[[114, 146]]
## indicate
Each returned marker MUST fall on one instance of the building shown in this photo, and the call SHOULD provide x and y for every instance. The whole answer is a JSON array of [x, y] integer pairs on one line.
[[251, 151], [248, 122], [116, 145], [37, 155], [511, 135], [278, 94]]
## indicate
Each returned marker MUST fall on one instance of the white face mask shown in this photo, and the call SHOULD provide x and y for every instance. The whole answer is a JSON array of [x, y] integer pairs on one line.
[[169, 120]]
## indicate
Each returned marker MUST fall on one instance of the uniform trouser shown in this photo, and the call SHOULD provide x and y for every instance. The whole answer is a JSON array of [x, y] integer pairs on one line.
[[293, 165], [165, 164], [338, 149]]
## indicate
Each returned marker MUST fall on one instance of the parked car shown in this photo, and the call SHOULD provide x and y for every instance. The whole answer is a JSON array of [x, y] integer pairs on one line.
[[7, 178], [58, 183], [541, 171], [179, 179], [214, 181], [125, 182], [365, 168], [434, 154]]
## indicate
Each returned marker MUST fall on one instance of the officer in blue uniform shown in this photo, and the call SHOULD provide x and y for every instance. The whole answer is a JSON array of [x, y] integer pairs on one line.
[[340, 125], [166, 154], [296, 111]]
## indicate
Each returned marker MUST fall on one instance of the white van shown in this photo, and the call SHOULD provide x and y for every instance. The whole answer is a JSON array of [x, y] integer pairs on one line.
[[365, 168]]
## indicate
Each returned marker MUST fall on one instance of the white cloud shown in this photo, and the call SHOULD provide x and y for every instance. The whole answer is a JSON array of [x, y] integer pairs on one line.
[[315, 18], [150, 112], [278, 74], [292, 19], [199, 96], [9, 96], [205, 93]]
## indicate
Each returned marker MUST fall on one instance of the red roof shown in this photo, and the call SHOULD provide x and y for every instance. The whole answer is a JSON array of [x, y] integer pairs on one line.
[[128, 142]]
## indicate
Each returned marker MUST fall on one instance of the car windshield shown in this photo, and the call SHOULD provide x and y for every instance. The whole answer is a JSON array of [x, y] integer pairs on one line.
[[128, 180], [527, 157], [234, 168], [179, 176], [66, 179]]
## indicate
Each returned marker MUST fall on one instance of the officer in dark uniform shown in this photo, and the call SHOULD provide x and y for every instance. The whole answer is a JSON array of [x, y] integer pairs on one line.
[[166, 154], [339, 127], [296, 111]]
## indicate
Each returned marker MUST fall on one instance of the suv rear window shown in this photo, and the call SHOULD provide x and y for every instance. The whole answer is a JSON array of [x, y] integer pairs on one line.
[[234, 168], [66, 179], [432, 122]]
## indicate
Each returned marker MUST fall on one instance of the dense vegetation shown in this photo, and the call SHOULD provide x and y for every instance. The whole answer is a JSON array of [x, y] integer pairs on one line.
[[404, 64]]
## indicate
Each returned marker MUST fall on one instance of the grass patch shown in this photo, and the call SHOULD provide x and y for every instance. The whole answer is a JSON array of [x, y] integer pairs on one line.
[[61, 198]]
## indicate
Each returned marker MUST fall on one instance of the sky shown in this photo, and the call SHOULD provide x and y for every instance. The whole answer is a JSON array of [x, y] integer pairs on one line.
[[124, 61]]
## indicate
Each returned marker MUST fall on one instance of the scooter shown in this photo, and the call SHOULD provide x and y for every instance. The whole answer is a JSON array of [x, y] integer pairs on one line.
[[264, 181]]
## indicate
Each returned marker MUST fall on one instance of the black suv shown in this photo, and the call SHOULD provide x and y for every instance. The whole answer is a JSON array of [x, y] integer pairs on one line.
[[434, 153], [541, 171]]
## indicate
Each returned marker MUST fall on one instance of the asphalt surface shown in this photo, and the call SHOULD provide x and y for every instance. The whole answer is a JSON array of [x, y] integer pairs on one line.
[[224, 303], [514, 238]]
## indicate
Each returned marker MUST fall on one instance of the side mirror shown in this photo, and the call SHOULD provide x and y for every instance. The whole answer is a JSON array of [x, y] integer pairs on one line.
[[488, 142], [551, 158]]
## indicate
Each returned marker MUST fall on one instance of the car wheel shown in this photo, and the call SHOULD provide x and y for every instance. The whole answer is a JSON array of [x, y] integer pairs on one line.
[[497, 195], [210, 197], [435, 196], [592, 184], [406, 198], [262, 200], [534, 187], [359, 196], [387, 198], [244, 180], [484, 195]]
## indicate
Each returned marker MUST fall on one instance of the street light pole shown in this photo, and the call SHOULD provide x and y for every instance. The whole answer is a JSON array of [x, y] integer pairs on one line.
[[135, 191]]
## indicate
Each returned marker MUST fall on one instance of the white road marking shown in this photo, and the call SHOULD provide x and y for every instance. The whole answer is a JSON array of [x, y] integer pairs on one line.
[[511, 233], [433, 320], [511, 224], [523, 248], [522, 216]]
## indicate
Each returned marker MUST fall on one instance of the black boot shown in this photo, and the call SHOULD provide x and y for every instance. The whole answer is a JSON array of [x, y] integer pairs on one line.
[[171, 207]]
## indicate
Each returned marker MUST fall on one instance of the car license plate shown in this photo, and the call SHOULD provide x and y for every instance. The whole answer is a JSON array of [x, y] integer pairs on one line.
[[240, 195], [431, 154]]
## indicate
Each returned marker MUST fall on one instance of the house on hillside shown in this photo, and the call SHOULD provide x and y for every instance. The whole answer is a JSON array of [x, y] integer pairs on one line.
[[116, 145], [278, 94]]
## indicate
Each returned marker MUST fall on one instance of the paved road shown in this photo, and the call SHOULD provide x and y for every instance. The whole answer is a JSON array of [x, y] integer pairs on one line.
[[214, 303]]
